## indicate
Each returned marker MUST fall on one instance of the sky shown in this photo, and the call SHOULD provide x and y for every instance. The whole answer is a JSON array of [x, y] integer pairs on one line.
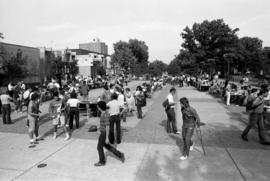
[[61, 24]]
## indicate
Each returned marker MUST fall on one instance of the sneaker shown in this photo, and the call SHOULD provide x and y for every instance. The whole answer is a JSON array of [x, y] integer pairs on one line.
[[183, 157], [191, 147], [98, 164], [178, 132], [122, 157], [67, 137], [33, 142]]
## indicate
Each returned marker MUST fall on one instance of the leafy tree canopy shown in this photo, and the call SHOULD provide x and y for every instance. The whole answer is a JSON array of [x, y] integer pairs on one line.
[[157, 67], [131, 56]]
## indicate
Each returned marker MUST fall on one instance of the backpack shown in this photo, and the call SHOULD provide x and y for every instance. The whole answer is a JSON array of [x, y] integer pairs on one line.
[[166, 104]]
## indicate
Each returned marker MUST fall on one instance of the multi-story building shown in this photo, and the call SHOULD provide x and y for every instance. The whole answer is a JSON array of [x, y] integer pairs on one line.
[[86, 60], [95, 46], [30, 54]]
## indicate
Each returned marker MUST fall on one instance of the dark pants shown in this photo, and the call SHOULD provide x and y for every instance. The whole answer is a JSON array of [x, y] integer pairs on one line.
[[6, 110], [115, 119], [18, 104], [139, 111], [181, 84], [101, 144], [74, 112], [187, 134], [171, 122], [255, 118]]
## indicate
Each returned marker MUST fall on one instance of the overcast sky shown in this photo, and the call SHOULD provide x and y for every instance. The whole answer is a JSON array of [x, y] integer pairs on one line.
[[66, 23]]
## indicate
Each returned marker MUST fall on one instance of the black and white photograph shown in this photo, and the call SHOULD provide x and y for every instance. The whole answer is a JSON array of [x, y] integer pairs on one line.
[[134, 90]]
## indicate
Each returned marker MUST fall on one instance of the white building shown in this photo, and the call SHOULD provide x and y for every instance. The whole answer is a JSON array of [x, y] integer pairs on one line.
[[85, 61]]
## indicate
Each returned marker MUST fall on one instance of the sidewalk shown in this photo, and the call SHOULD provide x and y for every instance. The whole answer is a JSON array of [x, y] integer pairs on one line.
[[151, 154]]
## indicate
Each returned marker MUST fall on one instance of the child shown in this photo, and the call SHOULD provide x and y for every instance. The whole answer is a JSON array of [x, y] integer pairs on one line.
[[190, 121], [57, 111], [103, 139]]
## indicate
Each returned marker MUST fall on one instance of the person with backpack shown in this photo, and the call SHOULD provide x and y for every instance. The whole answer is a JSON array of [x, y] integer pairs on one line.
[[103, 141], [171, 122], [256, 107]]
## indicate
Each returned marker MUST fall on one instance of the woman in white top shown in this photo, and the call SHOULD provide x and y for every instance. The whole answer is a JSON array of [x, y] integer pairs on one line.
[[228, 92], [130, 101], [73, 105]]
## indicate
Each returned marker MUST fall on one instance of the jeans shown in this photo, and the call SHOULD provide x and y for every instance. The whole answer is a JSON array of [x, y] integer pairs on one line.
[[101, 144], [139, 110], [6, 110], [171, 122], [115, 119], [187, 134], [255, 118], [74, 112]]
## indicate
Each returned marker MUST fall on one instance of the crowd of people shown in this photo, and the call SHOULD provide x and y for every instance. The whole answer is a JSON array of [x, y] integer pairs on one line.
[[114, 105]]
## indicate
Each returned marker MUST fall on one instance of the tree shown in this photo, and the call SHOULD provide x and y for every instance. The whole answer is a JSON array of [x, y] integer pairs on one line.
[[210, 40], [132, 56], [123, 55], [15, 67], [174, 68], [249, 54], [157, 67]]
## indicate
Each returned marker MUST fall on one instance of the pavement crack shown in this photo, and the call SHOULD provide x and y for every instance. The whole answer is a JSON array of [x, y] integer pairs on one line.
[[27, 170]]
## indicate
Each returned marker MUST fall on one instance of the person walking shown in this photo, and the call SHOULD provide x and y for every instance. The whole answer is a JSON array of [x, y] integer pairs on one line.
[[256, 117], [228, 90], [103, 139], [114, 110], [6, 108], [139, 98], [171, 122], [190, 121], [73, 105], [32, 118]]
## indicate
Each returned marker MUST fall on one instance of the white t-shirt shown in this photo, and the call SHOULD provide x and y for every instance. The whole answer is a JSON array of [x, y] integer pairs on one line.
[[121, 99], [73, 102], [114, 107], [170, 99]]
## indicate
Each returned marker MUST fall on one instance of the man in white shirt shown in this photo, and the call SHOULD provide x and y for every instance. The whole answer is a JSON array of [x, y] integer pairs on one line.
[[114, 110], [171, 123]]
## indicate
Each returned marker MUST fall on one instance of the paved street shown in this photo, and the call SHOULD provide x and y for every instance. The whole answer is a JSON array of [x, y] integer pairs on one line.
[[151, 154]]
